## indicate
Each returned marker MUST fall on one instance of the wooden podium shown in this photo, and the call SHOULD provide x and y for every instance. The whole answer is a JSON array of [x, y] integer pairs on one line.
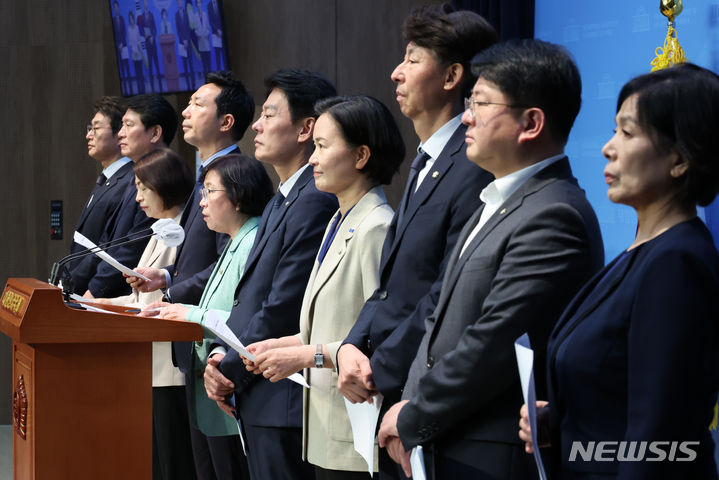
[[82, 385]]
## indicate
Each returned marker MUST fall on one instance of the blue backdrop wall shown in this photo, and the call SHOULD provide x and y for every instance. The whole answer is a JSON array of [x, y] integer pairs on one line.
[[611, 43]]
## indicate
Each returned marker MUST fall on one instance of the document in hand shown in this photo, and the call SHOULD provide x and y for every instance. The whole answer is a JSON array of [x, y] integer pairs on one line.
[[218, 326], [87, 243], [363, 419], [525, 362]]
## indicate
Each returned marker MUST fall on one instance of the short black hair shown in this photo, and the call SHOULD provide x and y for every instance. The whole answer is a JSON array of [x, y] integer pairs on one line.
[[155, 110], [364, 120], [302, 88], [454, 36], [245, 180], [164, 172], [534, 73], [676, 107], [113, 108], [233, 99]]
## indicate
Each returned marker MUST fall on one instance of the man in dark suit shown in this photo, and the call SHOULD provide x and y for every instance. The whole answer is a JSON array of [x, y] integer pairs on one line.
[[146, 22], [214, 121], [440, 196], [148, 124], [182, 25], [98, 214], [517, 263], [215, 16], [269, 295]]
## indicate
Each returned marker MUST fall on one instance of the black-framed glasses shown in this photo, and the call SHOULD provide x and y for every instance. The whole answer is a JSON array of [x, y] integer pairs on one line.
[[471, 104], [93, 129], [207, 191]]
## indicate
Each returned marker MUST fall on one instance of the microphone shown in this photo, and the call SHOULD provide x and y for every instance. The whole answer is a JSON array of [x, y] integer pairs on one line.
[[167, 230]]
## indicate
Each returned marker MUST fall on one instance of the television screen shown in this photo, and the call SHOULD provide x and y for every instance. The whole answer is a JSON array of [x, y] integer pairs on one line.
[[167, 46]]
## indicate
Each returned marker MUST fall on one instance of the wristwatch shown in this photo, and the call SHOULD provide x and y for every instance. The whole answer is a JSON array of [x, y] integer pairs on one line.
[[319, 357]]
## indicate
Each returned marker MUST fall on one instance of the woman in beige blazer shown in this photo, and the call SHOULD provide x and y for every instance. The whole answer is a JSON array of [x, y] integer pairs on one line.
[[357, 148], [164, 183]]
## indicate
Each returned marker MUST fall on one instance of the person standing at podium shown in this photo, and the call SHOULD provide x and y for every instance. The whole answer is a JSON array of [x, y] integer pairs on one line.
[[148, 124], [98, 213]]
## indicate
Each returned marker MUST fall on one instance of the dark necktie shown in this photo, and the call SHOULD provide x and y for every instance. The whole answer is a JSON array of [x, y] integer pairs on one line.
[[417, 164], [276, 204], [101, 179]]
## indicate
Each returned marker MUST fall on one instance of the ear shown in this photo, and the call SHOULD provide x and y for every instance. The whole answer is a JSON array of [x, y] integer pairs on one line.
[[362, 154], [228, 121], [453, 76], [305, 133], [156, 134], [533, 123], [679, 166]]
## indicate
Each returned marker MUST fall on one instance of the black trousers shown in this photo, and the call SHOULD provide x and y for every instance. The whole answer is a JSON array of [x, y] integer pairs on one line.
[[275, 453], [324, 474], [171, 450], [218, 458]]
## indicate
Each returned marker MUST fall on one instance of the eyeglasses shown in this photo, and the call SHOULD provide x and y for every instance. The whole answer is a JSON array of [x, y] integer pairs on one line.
[[206, 191], [471, 104], [90, 128]]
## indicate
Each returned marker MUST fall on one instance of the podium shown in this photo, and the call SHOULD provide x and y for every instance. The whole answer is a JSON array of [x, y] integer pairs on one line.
[[169, 61], [82, 385]]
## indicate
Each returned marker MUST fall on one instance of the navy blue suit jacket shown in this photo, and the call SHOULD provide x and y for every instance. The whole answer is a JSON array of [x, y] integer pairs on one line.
[[635, 357], [96, 219], [129, 220], [194, 262], [269, 298], [414, 257]]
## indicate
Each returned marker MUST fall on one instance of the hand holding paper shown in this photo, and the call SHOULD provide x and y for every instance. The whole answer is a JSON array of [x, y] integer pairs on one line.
[[87, 243]]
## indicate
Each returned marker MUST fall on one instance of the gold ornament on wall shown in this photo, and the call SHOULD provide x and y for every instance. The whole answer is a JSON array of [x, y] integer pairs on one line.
[[672, 53]]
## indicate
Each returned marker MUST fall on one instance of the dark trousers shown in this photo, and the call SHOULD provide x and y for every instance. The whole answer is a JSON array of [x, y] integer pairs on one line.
[[218, 458], [171, 449], [479, 460], [324, 474], [275, 453]]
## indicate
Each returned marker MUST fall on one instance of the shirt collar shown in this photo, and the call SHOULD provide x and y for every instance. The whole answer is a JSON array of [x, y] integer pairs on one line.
[[246, 228], [498, 191], [286, 187], [436, 143], [221, 153], [115, 166]]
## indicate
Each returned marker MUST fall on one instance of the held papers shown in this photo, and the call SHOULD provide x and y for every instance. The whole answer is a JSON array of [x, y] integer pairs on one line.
[[525, 362], [363, 419], [217, 326], [87, 243]]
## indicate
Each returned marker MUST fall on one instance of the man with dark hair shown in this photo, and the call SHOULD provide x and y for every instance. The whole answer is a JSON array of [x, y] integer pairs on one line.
[[518, 262], [149, 123], [215, 16], [146, 22], [441, 194], [182, 25], [215, 119], [123, 53], [269, 296], [98, 214]]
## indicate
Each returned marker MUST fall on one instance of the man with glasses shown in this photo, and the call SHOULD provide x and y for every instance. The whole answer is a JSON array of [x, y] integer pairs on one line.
[[214, 120], [518, 261], [97, 214]]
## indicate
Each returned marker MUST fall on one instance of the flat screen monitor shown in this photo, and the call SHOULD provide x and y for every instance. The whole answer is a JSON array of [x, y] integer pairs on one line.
[[167, 46]]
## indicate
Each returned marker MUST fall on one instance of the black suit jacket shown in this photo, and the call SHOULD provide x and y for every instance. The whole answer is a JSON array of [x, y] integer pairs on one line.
[[269, 299], [516, 276], [130, 221], [414, 256], [96, 219]]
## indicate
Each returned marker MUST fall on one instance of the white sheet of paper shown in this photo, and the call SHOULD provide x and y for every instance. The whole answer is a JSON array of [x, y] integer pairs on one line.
[[363, 418], [77, 298], [218, 326], [87, 243], [416, 461], [525, 364]]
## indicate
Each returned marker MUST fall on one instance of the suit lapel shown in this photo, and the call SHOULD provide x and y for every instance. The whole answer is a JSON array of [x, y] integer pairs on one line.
[[277, 218], [334, 255], [100, 190], [439, 169]]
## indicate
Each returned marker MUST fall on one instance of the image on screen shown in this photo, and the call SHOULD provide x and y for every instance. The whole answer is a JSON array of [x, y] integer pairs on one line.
[[166, 46]]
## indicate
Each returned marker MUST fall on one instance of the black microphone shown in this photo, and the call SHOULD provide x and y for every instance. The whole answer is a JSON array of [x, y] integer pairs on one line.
[[169, 232]]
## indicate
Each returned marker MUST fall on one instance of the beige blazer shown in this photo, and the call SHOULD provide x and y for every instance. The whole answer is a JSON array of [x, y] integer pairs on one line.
[[335, 294], [157, 255]]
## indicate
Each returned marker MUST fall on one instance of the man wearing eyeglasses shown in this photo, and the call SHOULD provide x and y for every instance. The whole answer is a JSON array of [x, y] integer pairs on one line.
[[518, 262], [97, 214]]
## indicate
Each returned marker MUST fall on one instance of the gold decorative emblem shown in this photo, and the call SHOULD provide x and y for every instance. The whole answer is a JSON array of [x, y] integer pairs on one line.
[[12, 301], [19, 408]]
